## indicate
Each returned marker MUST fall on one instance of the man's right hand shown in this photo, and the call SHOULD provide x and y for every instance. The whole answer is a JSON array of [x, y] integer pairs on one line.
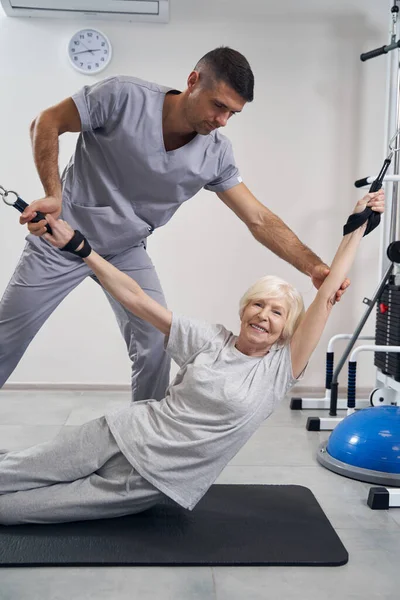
[[48, 205]]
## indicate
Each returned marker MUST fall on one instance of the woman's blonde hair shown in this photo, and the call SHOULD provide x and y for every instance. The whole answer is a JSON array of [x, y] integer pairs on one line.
[[275, 287]]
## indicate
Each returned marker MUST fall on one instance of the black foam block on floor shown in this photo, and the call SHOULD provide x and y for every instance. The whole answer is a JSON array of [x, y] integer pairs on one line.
[[233, 525]]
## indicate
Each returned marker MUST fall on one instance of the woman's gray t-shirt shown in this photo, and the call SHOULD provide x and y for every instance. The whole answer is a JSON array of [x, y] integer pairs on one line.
[[217, 400]]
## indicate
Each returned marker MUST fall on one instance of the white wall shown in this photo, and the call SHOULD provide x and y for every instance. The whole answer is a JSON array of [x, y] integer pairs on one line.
[[317, 123]]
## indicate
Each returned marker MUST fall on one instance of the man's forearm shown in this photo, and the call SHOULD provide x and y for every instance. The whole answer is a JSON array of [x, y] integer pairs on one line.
[[277, 237], [44, 137]]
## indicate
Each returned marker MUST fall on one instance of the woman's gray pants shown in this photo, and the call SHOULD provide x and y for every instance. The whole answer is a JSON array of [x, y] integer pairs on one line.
[[80, 475], [44, 276]]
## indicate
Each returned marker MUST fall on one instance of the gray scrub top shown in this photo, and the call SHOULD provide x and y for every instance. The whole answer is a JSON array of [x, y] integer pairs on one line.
[[121, 182]]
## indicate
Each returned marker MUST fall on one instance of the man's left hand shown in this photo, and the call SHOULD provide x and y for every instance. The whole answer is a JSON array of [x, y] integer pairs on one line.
[[318, 275]]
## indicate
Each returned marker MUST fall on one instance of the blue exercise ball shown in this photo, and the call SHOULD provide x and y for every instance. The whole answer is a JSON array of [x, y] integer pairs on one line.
[[368, 439]]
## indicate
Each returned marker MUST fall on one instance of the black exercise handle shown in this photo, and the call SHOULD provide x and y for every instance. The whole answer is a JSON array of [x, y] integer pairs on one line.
[[379, 51], [21, 205], [374, 218], [373, 53], [377, 183], [361, 182]]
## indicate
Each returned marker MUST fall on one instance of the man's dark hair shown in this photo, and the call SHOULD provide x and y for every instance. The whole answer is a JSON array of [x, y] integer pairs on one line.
[[231, 67]]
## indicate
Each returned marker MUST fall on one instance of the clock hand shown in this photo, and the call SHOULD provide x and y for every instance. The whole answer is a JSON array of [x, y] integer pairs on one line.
[[88, 50], [85, 51]]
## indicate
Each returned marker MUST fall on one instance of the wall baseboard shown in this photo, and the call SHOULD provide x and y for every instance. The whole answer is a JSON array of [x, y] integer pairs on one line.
[[68, 387], [316, 392], [298, 391]]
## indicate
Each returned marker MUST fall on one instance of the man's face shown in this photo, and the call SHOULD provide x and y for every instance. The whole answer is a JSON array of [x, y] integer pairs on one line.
[[209, 108]]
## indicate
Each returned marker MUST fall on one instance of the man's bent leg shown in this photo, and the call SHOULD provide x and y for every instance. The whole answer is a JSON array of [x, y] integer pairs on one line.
[[150, 363]]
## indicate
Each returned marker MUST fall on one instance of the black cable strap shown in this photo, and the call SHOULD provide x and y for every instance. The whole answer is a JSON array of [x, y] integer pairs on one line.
[[356, 220], [75, 242]]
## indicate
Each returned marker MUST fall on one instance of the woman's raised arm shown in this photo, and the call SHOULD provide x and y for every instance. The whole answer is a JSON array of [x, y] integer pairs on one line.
[[307, 335]]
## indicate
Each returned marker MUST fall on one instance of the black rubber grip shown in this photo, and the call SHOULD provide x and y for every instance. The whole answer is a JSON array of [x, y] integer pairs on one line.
[[351, 385], [361, 182], [373, 53], [21, 205]]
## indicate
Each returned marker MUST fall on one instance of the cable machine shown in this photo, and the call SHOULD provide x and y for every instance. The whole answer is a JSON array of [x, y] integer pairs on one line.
[[366, 444]]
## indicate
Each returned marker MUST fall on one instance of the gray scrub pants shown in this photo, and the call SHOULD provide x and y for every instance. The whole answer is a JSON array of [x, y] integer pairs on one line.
[[44, 276], [80, 475]]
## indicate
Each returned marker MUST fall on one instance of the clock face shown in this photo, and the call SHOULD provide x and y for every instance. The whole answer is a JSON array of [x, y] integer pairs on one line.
[[89, 51]]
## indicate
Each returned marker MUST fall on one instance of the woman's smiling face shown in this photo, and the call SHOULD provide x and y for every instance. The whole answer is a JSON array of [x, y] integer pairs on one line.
[[262, 324]]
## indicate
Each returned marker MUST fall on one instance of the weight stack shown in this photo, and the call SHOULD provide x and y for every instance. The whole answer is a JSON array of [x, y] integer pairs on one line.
[[387, 331]]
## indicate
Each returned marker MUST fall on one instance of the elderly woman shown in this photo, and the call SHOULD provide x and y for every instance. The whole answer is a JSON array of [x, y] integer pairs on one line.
[[152, 451]]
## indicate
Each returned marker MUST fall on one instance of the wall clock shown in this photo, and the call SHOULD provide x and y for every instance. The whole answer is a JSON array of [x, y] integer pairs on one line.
[[89, 51]]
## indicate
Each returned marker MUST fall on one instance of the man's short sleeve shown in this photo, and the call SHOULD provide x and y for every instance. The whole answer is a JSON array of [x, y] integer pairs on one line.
[[98, 103], [189, 336], [228, 175]]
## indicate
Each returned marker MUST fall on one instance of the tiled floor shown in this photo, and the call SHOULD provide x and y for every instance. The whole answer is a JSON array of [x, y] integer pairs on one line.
[[282, 451]]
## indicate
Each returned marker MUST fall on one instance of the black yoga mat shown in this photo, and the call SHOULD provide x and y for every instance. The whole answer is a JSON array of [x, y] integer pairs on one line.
[[239, 525]]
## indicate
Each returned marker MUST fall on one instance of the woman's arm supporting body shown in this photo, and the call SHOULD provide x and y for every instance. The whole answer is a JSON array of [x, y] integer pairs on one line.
[[308, 334]]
